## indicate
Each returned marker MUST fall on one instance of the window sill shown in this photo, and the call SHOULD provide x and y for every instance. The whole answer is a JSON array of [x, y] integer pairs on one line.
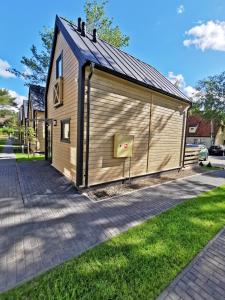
[[65, 141]]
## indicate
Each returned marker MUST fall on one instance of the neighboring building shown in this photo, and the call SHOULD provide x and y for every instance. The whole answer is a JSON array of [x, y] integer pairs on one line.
[[110, 115], [20, 119], [23, 121], [36, 113], [200, 131], [25, 113]]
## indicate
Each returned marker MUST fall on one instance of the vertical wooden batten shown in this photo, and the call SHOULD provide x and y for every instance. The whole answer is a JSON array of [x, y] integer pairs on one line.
[[149, 133]]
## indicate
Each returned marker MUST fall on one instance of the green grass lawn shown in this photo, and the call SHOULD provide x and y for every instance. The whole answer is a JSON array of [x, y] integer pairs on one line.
[[20, 157], [24, 157], [137, 264], [213, 168]]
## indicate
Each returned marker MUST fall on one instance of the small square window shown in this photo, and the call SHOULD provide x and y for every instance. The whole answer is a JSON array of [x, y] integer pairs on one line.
[[59, 67], [65, 130]]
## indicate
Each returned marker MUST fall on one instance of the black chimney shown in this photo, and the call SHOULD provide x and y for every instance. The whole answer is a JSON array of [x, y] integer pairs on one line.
[[95, 35], [79, 24], [83, 29]]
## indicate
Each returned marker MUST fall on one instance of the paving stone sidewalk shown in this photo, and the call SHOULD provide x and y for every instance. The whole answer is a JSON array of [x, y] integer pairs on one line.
[[204, 278], [44, 221]]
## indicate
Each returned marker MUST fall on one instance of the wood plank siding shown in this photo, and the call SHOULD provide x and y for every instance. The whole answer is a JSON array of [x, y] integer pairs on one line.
[[64, 154], [155, 120]]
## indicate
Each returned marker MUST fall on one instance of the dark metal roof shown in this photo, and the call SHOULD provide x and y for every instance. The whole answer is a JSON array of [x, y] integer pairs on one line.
[[116, 61], [37, 97], [203, 126]]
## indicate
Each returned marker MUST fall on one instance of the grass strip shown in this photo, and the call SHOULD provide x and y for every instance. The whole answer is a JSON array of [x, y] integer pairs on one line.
[[20, 157], [138, 264]]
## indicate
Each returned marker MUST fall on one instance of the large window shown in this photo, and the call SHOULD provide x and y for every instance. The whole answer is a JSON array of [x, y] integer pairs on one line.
[[65, 130], [59, 67]]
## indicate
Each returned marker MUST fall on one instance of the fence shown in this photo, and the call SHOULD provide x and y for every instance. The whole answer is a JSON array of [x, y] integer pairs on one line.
[[191, 156]]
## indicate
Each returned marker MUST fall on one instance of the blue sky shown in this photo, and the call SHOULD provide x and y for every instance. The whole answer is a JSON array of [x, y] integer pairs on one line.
[[185, 40]]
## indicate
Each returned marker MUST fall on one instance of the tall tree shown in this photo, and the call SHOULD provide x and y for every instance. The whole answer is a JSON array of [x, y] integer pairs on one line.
[[96, 18], [211, 99], [36, 66], [6, 99]]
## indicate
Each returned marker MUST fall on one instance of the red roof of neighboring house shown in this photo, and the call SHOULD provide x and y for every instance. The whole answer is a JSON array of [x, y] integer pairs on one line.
[[203, 126]]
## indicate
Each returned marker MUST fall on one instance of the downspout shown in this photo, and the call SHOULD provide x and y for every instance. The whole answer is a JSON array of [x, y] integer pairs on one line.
[[80, 127], [92, 65]]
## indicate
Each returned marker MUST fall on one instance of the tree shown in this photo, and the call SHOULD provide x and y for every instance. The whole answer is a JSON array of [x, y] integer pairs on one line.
[[211, 97], [5, 112], [13, 120], [31, 137], [8, 130], [6, 99], [36, 66], [210, 102], [96, 18]]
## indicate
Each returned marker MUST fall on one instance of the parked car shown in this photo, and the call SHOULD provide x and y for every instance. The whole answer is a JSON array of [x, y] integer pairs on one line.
[[203, 154], [216, 150]]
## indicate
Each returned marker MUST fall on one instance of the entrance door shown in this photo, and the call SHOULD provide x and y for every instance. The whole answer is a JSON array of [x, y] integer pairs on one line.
[[49, 141]]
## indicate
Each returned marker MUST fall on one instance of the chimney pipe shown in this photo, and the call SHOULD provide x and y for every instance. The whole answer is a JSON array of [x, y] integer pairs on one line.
[[95, 35], [83, 29], [79, 24]]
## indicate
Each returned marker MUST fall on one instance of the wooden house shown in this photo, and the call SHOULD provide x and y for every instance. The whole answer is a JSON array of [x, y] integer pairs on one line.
[[200, 131], [110, 115], [36, 115], [23, 121]]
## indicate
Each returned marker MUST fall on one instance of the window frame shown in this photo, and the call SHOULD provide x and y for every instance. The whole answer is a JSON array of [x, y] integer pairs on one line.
[[60, 58], [62, 123]]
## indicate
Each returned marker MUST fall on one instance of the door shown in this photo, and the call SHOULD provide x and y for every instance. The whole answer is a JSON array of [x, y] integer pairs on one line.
[[49, 141]]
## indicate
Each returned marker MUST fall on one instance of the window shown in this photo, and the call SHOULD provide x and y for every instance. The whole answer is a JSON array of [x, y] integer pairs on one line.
[[192, 129], [65, 130], [195, 141], [59, 67]]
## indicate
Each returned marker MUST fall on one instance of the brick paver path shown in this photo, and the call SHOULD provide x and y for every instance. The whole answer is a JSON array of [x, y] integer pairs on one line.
[[204, 278], [44, 221]]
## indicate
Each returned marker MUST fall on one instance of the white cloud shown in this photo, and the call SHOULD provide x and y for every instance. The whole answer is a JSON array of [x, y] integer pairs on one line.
[[209, 35], [4, 66], [19, 98], [190, 91], [179, 82], [180, 9]]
